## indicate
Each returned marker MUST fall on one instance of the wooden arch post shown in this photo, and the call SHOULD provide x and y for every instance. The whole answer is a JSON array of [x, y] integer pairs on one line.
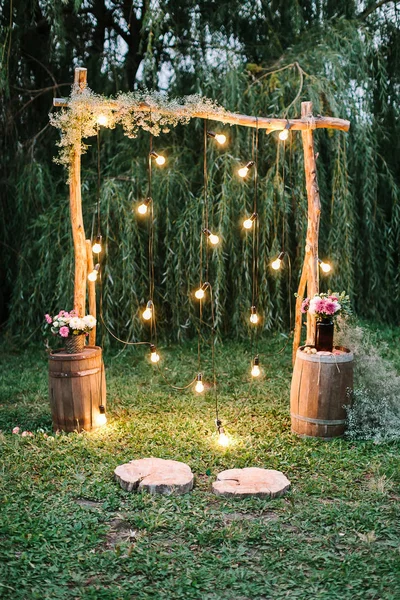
[[75, 202]]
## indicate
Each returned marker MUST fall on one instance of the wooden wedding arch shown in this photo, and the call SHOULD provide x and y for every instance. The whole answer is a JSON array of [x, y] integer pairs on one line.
[[309, 279]]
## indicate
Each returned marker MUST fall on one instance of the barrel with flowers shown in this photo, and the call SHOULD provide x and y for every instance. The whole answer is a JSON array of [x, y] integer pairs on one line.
[[323, 374], [77, 387]]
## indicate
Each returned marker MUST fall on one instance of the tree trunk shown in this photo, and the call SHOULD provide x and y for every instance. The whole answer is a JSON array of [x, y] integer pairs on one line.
[[314, 210], [78, 231]]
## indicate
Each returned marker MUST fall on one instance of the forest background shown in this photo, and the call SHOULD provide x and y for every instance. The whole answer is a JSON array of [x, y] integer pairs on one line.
[[259, 58]]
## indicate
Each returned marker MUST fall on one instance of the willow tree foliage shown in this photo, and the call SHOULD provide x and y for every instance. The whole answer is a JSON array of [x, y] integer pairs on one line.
[[260, 58]]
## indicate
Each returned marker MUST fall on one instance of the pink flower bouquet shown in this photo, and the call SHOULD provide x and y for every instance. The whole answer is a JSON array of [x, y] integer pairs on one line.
[[327, 306], [67, 324]]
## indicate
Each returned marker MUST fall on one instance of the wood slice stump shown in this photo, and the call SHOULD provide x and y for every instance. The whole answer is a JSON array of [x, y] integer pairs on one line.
[[155, 475], [252, 481]]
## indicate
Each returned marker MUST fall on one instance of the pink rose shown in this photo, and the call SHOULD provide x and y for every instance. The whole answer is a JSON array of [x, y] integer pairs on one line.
[[305, 305], [27, 434], [64, 331], [16, 430], [48, 319]]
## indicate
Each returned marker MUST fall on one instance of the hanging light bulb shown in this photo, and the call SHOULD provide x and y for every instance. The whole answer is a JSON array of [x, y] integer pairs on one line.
[[255, 370], [244, 170], [199, 387], [160, 160], [325, 267], [94, 274], [96, 248], [144, 206], [248, 223], [200, 293], [154, 356], [284, 134], [219, 137], [276, 264], [102, 120], [223, 439], [214, 239], [101, 418], [148, 312], [254, 315]]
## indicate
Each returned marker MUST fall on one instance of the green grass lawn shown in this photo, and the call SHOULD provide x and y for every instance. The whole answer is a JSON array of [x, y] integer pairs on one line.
[[67, 530]]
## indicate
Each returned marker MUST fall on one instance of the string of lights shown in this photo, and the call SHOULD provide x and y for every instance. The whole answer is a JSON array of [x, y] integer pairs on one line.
[[205, 289]]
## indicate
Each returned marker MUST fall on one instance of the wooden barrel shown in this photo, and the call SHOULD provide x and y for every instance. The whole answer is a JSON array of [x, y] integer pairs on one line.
[[319, 393], [77, 388]]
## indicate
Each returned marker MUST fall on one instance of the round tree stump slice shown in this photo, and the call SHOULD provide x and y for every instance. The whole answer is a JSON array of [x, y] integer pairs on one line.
[[252, 481], [320, 392], [155, 475]]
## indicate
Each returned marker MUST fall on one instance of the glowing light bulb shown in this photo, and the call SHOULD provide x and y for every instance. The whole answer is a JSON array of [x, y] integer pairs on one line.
[[255, 371], [101, 420], [148, 312], [325, 267], [96, 248], [101, 417], [94, 274], [284, 134], [144, 206], [199, 387], [214, 239], [199, 294], [244, 170], [254, 315], [218, 137], [154, 356], [160, 160], [276, 264], [248, 223], [223, 439], [102, 120]]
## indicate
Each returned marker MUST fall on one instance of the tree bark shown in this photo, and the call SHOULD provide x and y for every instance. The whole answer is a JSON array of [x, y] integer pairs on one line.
[[78, 230], [298, 313], [314, 210]]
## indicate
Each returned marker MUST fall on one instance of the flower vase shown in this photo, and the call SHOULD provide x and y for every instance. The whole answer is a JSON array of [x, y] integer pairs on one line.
[[324, 335], [74, 344]]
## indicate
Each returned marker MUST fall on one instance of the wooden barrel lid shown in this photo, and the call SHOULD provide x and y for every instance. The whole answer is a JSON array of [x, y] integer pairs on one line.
[[87, 352], [347, 356]]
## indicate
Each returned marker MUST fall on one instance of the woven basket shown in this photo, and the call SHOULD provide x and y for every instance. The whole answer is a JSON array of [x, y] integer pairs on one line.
[[74, 344]]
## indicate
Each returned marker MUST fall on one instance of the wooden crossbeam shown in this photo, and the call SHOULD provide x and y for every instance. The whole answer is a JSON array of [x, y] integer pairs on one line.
[[272, 124]]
